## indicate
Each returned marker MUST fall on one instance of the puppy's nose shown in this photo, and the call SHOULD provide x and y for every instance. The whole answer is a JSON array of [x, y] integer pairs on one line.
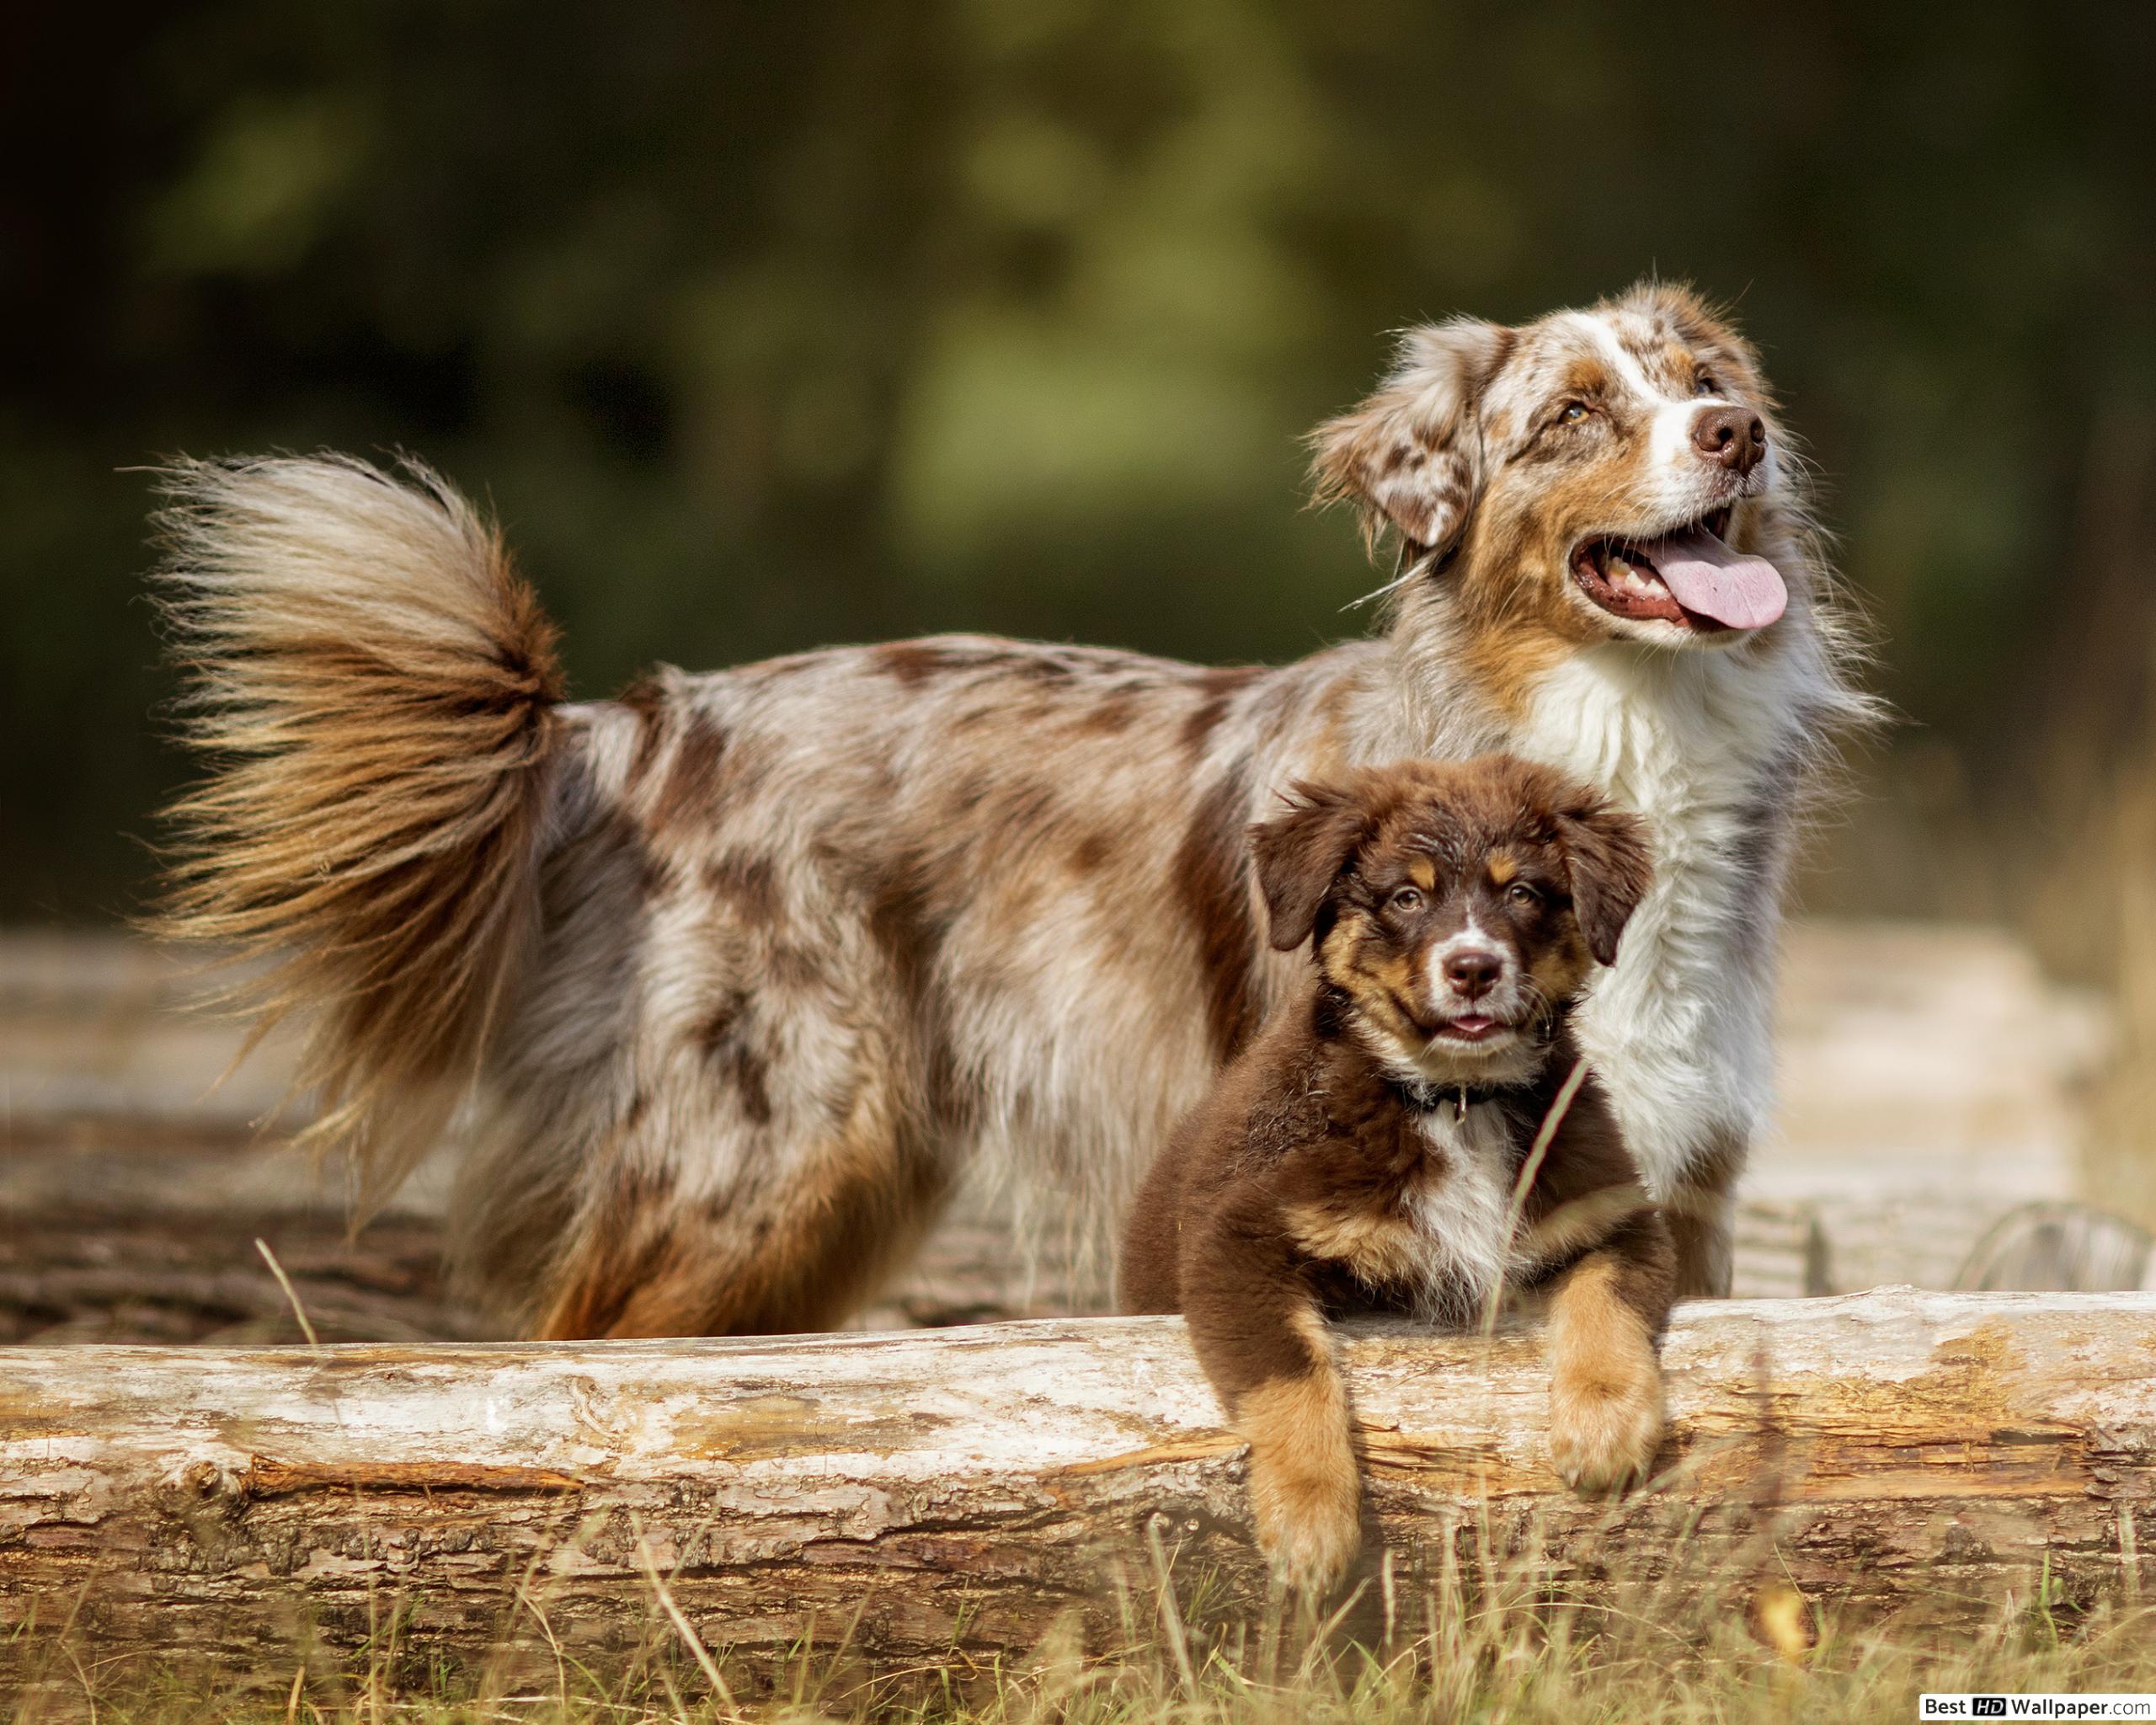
[[1734, 437], [1474, 972]]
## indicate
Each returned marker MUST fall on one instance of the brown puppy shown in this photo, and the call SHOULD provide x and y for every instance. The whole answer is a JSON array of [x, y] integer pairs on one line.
[[1369, 1149]]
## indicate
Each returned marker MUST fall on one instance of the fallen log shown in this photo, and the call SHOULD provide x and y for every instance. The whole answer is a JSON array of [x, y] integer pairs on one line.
[[951, 1496]]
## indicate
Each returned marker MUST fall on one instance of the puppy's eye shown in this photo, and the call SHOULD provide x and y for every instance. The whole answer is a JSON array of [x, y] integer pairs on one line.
[[1706, 385], [1406, 899], [1571, 413], [1521, 893]]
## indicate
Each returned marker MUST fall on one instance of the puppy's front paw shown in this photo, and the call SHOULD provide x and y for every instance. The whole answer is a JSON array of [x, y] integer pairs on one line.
[[1304, 1488], [1308, 1521], [1605, 1420]]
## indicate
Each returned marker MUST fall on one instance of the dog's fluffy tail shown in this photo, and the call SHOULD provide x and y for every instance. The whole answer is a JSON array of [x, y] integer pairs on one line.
[[375, 690]]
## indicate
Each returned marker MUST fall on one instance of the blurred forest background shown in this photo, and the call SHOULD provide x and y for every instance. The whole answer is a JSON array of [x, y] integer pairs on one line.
[[769, 326]]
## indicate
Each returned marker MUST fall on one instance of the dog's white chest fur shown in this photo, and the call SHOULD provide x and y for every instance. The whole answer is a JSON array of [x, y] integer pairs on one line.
[[1678, 1028], [1458, 1208]]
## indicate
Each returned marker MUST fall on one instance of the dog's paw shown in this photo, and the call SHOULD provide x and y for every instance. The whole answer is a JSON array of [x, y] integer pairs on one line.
[[1604, 1423], [1304, 1488], [1308, 1519]]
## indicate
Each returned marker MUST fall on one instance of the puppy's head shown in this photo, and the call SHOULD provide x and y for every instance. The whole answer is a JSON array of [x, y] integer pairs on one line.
[[1455, 906], [1613, 471]]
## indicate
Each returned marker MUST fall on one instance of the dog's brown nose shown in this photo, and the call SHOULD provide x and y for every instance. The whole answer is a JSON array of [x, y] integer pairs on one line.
[[1730, 436], [1472, 972]]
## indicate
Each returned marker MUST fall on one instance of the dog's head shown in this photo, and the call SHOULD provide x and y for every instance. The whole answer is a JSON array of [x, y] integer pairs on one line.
[[1613, 471], [1455, 906]]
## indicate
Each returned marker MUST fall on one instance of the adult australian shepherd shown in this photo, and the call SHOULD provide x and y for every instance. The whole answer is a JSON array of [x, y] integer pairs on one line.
[[727, 981]]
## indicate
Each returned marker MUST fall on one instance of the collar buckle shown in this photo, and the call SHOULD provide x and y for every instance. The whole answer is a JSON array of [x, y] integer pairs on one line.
[[1427, 1097]]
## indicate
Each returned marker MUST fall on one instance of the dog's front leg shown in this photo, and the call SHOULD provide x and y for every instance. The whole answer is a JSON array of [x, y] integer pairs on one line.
[[1606, 1317], [1261, 1338], [1701, 1209], [1703, 1228]]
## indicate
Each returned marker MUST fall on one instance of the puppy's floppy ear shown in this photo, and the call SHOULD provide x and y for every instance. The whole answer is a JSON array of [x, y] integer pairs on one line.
[[1611, 864], [1301, 855], [1411, 456]]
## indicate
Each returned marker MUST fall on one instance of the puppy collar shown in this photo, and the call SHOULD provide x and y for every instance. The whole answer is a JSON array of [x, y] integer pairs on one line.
[[1425, 1097]]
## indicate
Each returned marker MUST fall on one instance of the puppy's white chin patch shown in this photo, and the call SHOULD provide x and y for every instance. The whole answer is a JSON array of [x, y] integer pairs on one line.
[[1507, 1057], [1471, 1044]]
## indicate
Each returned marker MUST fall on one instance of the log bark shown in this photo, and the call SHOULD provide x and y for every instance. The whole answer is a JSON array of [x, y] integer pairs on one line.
[[950, 1498]]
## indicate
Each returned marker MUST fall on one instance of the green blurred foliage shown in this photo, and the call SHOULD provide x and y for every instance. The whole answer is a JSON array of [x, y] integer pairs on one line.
[[769, 326]]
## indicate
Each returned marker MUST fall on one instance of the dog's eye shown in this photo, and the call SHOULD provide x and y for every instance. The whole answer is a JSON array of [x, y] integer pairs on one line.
[[1406, 899], [1571, 413], [1706, 385], [1521, 893]]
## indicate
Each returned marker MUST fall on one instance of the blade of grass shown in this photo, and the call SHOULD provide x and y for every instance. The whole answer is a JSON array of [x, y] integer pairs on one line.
[[284, 1281], [683, 1628]]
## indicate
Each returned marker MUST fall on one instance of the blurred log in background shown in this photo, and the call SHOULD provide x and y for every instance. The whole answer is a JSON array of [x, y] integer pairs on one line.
[[1933, 1130]]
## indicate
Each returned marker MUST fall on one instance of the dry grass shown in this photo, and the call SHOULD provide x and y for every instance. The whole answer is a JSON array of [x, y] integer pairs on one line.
[[1526, 1659]]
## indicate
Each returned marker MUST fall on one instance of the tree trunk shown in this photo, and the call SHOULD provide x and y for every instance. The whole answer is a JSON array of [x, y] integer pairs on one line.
[[948, 1498]]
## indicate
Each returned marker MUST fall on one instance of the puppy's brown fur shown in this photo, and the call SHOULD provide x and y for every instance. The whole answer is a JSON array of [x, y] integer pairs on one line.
[[1368, 1150]]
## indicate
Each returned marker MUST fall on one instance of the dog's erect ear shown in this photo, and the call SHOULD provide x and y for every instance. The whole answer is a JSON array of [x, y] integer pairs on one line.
[[1301, 855], [1611, 864], [1410, 457]]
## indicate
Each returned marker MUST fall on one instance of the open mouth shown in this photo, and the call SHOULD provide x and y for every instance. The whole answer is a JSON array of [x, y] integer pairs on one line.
[[1689, 577], [1471, 1027]]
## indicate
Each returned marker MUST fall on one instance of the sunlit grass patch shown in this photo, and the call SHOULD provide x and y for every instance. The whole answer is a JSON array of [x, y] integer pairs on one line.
[[1714, 1655]]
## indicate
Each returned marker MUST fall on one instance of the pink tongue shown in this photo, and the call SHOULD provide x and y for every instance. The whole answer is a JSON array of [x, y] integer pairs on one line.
[[1706, 576]]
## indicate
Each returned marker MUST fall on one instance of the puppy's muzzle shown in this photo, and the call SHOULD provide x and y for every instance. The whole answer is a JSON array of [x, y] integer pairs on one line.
[[1473, 971]]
